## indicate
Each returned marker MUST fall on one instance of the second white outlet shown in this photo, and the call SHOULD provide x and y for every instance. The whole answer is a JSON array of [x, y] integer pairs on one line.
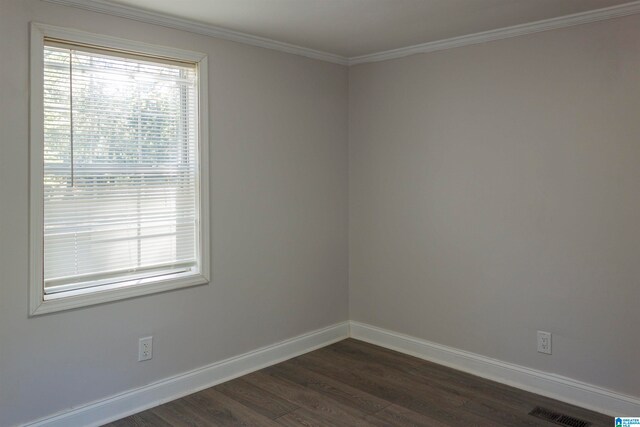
[[145, 348], [544, 342]]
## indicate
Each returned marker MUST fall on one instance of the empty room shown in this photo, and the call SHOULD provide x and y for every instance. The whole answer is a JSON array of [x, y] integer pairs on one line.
[[319, 213]]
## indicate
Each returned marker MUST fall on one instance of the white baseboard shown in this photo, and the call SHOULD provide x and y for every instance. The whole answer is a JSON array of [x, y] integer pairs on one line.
[[554, 386], [133, 401], [543, 383]]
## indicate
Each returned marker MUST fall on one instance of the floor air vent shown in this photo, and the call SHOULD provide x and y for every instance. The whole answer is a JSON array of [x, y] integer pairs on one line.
[[558, 418]]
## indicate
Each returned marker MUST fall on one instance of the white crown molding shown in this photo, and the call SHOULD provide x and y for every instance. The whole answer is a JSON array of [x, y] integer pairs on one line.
[[504, 33], [544, 383], [168, 389], [164, 20], [168, 21]]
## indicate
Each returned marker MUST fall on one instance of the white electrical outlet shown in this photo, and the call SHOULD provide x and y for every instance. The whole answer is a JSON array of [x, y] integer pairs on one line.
[[544, 342], [145, 348]]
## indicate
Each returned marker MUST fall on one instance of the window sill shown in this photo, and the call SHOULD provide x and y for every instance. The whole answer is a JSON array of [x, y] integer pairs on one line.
[[61, 302]]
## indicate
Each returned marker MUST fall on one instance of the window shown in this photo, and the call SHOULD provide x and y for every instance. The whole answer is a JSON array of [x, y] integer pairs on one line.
[[118, 203]]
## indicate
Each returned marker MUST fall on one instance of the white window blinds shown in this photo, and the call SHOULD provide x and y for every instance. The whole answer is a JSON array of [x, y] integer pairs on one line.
[[120, 168]]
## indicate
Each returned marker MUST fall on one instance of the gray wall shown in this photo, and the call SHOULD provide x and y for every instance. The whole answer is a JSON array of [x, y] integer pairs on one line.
[[279, 225], [495, 191]]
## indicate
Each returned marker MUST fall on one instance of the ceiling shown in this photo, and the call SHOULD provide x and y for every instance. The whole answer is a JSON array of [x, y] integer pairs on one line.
[[351, 28]]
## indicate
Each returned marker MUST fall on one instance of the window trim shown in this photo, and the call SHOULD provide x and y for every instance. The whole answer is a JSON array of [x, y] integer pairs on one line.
[[37, 303]]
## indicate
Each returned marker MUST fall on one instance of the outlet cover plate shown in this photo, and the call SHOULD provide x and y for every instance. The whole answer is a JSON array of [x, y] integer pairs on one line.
[[544, 342], [145, 348]]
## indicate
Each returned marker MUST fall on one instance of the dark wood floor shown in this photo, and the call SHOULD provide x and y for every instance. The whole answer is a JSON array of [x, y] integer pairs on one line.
[[352, 383]]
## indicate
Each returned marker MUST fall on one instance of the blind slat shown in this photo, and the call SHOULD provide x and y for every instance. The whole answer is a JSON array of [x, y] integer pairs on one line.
[[120, 167]]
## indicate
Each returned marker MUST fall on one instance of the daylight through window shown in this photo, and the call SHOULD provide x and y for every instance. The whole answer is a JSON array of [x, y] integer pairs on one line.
[[120, 169]]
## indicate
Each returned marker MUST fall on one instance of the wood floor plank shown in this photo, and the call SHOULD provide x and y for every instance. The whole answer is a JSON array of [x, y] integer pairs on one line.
[[259, 400], [320, 406], [353, 383], [222, 410], [396, 379], [502, 414], [467, 385], [397, 416], [362, 348], [302, 417], [179, 414], [409, 396], [336, 390], [142, 419], [446, 379]]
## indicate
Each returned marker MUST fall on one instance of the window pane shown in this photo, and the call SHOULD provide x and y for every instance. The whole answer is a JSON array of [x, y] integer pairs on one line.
[[120, 167]]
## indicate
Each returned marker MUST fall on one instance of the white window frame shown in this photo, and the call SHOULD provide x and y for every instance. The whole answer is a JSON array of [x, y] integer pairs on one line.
[[37, 302]]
